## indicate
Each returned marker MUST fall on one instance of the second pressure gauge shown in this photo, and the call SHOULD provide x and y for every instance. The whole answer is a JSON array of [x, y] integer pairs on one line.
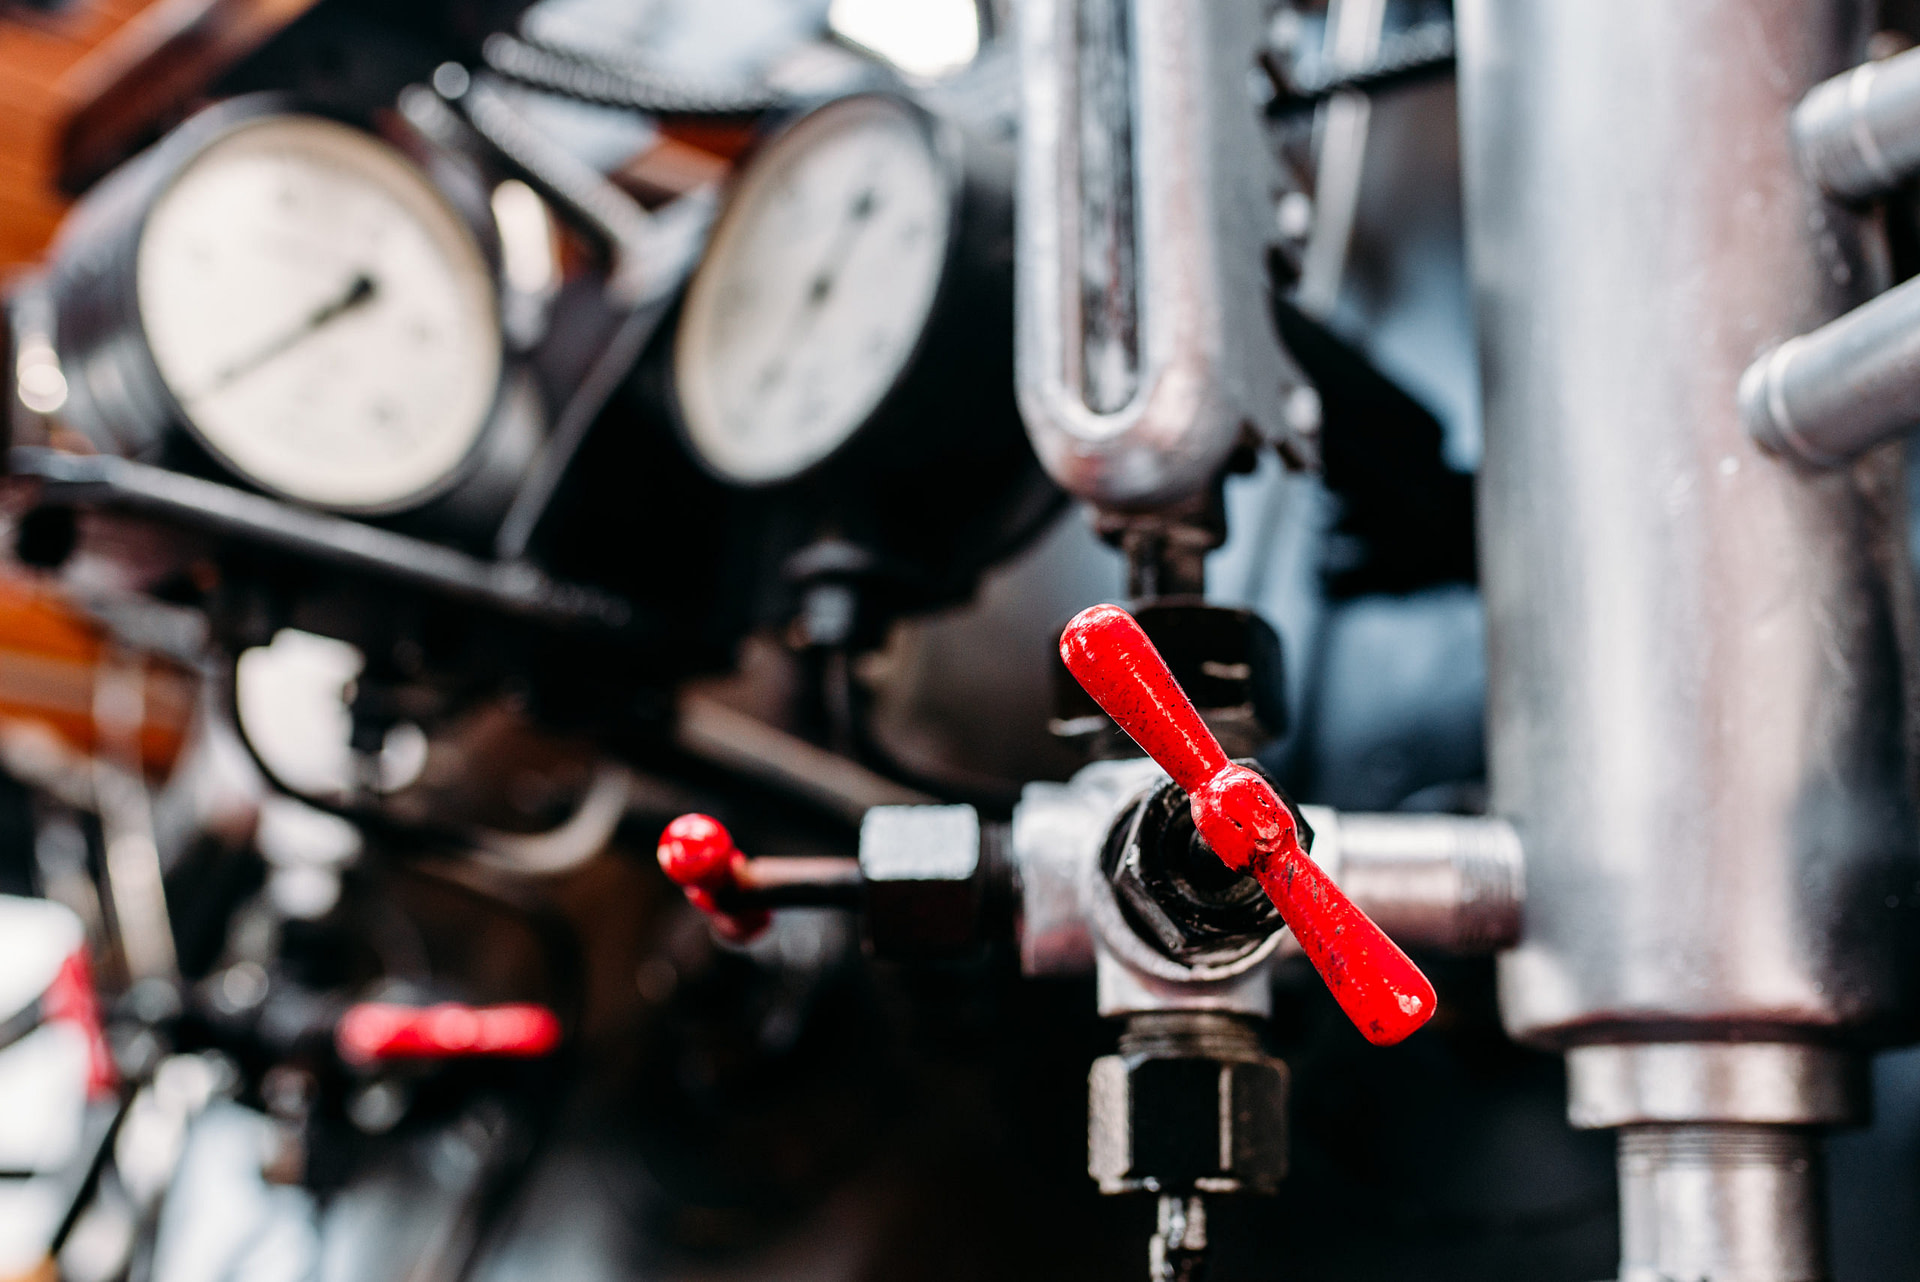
[[298, 297], [849, 237]]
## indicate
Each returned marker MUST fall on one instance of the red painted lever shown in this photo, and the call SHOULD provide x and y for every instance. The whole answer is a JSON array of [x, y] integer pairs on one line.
[[1247, 825], [375, 1032], [698, 853]]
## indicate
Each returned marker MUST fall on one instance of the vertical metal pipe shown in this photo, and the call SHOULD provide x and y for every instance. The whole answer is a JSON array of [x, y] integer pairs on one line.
[[1695, 706], [1722, 1204]]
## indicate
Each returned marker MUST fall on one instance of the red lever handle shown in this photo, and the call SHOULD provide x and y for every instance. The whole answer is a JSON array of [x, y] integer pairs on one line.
[[698, 853], [374, 1032], [1247, 825]]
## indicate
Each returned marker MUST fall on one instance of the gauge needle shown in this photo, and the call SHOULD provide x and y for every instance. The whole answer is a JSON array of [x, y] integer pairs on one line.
[[820, 286], [359, 291], [858, 215]]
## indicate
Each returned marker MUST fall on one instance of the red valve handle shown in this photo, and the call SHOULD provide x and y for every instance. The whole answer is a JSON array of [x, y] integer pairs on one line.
[[698, 853], [1247, 825], [375, 1032]]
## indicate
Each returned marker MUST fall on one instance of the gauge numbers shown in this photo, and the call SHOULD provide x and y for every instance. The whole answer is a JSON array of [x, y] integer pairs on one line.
[[325, 321]]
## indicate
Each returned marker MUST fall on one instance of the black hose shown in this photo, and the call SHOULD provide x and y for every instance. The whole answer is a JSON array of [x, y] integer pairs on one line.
[[90, 1180]]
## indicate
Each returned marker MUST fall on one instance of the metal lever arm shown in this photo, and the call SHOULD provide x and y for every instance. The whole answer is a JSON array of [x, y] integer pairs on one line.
[[1247, 825], [697, 854]]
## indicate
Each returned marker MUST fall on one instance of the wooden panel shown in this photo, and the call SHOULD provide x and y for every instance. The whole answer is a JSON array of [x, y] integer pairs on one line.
[[50, 661], [34, 54], [153, 70], [79, 87]]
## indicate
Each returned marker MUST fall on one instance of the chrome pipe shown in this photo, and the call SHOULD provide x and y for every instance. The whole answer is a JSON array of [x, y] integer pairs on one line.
[[1725, 1203], [1144, 336], [1443, 883], [1828, 396], [1859, 132]]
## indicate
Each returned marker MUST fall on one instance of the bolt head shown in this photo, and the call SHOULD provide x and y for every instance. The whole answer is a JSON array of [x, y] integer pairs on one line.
[[922, 869], [1177, 892], [1168, 1124]]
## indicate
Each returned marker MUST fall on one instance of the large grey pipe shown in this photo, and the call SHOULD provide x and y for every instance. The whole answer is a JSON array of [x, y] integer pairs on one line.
[[1695, 711]]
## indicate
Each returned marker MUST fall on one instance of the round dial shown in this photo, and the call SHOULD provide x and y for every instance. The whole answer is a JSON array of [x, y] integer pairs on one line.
[[325, 321], [814, 291]]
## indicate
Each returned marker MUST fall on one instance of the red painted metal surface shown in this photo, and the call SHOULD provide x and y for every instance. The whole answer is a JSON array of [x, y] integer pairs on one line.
[[697, 852], [1247, 825], [376, 1032], [71, 999]]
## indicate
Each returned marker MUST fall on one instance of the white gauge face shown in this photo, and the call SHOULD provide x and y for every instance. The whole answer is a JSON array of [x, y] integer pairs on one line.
[[814, 291], [325, 321]]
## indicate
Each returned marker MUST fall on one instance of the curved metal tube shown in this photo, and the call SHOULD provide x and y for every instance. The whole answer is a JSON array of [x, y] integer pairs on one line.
[[1144, 336]]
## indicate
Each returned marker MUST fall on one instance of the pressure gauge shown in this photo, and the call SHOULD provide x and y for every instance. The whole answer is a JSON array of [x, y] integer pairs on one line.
[[822, 279], [843, 361], [298, 297]]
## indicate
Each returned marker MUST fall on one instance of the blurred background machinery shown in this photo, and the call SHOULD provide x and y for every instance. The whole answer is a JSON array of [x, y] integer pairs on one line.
[[450, 446]]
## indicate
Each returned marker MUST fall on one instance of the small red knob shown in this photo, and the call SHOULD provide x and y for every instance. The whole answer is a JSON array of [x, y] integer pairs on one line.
[[376, 1032], [1247, 825], [698, 853]]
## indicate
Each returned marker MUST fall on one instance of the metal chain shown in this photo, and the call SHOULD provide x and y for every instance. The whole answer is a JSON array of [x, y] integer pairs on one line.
[[591, 77]]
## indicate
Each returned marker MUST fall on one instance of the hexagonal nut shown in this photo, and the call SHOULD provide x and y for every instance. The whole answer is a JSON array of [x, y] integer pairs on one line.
[[1178, 895], [1161, 1124], [922, 870]]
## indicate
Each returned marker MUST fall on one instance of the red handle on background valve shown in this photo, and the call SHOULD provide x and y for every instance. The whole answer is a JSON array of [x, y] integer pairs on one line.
[[377, 1032], [1247, 825], [697, 852]]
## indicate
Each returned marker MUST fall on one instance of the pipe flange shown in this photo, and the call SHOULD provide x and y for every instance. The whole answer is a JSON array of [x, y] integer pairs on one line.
[[1762, 1083]]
